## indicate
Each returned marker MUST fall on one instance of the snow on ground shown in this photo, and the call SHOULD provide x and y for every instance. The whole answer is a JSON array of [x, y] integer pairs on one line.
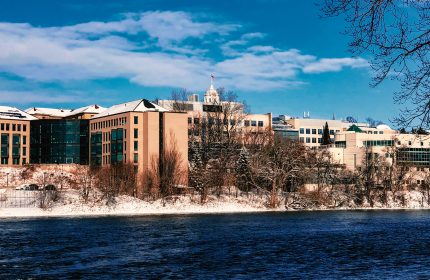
[[71, 205]]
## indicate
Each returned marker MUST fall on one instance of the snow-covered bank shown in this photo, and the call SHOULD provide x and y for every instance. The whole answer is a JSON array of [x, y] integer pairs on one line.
[[71, 205]]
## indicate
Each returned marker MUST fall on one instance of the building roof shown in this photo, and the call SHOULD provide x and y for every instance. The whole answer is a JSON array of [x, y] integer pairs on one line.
[[12, 113], [59, 113], [62, 113], [140, 105], [90, 109], [354, 128]]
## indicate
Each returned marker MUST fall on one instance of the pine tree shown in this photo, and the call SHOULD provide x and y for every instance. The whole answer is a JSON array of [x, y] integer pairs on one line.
[[326, 135], [243, 171], [196, 167]]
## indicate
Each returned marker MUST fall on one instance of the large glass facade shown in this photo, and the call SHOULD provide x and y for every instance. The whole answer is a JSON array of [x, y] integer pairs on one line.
[[414, 156], [59, 141], [96, 148], [117, 145], [4, 148]]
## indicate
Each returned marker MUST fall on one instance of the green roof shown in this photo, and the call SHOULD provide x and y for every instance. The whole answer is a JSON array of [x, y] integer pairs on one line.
[[354, 128]]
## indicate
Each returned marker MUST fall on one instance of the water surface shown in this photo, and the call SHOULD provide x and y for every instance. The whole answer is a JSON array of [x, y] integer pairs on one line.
[[306, 245]]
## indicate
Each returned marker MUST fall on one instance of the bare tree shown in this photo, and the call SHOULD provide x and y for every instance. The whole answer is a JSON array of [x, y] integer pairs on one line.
[[397, 34], [275, 163]]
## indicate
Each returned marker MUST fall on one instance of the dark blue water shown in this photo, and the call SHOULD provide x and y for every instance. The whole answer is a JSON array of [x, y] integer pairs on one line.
[[317, 245]]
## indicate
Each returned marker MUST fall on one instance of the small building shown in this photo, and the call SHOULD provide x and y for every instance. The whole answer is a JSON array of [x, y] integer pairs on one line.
[[137, 132], [14, 136]]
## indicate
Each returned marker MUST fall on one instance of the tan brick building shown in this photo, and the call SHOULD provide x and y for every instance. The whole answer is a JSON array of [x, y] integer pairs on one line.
[[137, 132], [14, 136]]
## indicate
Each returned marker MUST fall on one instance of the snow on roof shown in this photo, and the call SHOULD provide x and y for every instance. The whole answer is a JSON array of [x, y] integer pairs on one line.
[[141, 105], [11, 113], [62, 113], [91, 109], [49, 111], [383, 127]]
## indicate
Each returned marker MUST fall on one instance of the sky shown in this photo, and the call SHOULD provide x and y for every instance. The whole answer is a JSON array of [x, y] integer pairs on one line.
[[279, 56]]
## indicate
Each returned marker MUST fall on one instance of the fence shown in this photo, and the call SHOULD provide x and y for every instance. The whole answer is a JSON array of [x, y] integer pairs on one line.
[[10, 198]]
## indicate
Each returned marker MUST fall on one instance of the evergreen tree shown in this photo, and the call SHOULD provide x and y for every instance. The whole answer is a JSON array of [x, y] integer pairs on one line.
[[195, 167], [326, 135], [243, 171]]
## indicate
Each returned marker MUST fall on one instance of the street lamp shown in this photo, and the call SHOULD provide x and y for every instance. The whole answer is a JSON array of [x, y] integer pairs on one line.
[[44, 175]]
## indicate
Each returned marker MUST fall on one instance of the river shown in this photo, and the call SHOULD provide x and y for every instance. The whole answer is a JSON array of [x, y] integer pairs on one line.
[[298, 245]]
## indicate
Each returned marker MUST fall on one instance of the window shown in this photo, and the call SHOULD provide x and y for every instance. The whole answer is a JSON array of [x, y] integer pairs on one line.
[[308, 139], [136, 133], [13, 127], [24, 140], [136, 144], [308, 131], [190, 120], [314, 131], [320, 140], [19, 127], [24, 151], [253, 123], [136, 119], [331, 132], [7, 127], [2, 126], [24, 127], [302, 139], [302, 130], [136, 156], [319, 131], [246, 123], [314, 140], [260, 123], [196, 120]]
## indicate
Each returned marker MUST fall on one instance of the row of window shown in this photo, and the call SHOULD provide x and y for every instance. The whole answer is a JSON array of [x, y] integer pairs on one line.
[[12, 127], [109, 123], [15, 161], [254, 123], [373, 132], [372, 143], [315, 131], [196, 121], [310, 140]]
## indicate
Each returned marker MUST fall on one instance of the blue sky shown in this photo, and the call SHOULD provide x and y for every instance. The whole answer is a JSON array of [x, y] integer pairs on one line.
[[278, 55]]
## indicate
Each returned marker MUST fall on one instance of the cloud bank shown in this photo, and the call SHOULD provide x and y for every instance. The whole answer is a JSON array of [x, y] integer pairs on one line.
[[157, 48]]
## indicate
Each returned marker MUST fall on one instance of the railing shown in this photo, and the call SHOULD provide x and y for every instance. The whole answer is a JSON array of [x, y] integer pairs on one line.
[[10, 198]]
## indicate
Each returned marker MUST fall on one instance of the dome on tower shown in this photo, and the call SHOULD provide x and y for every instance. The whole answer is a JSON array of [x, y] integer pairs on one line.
[[211, 95]]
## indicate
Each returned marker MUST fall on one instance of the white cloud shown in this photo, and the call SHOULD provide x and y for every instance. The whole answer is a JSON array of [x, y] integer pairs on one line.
[[334, 64], [115, 49]]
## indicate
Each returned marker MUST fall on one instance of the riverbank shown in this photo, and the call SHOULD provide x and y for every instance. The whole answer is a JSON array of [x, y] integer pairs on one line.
[[71, 204]]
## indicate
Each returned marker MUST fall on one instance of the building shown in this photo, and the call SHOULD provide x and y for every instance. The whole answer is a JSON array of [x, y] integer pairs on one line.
[[311, 130], [14, 136], [282, 128], [61, 136], [137, 132], [213, 105], [352, 146]]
